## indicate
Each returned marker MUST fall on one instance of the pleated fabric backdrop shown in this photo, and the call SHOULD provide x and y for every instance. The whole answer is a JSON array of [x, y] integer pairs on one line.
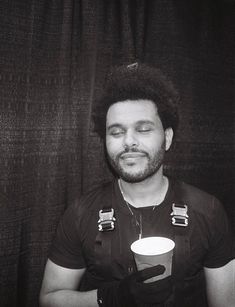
[[54, 56]]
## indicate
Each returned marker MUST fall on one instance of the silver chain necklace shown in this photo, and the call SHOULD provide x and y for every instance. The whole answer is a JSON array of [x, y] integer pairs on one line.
[[137, 223]]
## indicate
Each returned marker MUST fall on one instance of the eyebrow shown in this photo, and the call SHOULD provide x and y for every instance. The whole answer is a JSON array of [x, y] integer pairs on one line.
[[114, 126], [140, 122], [147, 121]]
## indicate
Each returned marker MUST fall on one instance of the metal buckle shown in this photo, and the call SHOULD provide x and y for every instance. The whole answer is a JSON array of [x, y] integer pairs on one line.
[[179, 215], [133, 66], [106, 220]]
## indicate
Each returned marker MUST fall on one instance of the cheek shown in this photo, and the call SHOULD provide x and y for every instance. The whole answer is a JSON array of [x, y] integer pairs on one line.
[[155, 144], [113, 146]]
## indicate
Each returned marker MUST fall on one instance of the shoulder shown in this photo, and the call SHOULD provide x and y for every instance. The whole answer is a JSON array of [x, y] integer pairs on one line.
[[94, 199], [198, 200], [193, 192]]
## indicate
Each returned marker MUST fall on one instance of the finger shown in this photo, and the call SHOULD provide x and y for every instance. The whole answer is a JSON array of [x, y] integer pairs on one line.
[[160, 284]]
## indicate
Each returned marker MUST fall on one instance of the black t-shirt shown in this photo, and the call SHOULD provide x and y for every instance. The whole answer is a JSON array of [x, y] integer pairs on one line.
[[76, 241]]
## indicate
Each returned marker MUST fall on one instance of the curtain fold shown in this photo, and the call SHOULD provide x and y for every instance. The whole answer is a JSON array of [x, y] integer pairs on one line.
[[54, 58]]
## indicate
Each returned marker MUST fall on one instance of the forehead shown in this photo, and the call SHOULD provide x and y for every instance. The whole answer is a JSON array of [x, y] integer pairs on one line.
[[130, 111]]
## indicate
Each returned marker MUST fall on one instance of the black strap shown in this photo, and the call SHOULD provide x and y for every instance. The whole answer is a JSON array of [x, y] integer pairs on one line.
[[103, 246], [182, 247], [181, 234]]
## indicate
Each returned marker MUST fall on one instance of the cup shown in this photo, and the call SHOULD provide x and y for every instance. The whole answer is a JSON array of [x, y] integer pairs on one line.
[[152, 251]]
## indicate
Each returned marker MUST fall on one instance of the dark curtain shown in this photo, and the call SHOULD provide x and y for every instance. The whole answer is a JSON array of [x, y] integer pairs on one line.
[[54, 56]]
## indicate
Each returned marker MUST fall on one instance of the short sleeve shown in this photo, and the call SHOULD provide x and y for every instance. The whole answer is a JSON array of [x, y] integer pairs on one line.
[[221, 241], [66, 248]]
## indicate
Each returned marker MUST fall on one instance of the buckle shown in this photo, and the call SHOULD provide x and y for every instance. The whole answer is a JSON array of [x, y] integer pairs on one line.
[[179, 215], [106, 220], [133, 66]]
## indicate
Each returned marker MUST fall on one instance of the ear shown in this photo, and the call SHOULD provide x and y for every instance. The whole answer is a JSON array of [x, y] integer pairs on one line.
[[169, 137]]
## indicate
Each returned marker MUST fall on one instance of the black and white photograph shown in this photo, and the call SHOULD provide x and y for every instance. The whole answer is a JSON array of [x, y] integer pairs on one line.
[[117, 159]]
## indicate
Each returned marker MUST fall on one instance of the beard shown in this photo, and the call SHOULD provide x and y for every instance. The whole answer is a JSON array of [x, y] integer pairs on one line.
[[152, 166]]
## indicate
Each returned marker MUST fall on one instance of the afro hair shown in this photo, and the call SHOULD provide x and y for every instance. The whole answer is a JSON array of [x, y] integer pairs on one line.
[[134, 82]]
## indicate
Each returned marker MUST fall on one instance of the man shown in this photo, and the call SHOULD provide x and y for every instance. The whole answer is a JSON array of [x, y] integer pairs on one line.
[[90, 262]]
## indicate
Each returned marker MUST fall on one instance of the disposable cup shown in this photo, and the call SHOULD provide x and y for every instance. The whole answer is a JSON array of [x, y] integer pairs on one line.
[[152, 251]]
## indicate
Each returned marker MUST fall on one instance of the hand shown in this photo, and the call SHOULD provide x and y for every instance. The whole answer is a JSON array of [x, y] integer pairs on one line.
[[132, 290]]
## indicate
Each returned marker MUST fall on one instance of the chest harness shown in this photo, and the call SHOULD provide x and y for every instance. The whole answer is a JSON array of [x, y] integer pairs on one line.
[[179, 220]]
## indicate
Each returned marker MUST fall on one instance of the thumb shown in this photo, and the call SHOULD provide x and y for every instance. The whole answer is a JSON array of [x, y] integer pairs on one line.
[[151, 272]]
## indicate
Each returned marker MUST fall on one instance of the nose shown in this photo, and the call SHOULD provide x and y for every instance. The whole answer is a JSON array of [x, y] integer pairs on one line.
[[130, 140]]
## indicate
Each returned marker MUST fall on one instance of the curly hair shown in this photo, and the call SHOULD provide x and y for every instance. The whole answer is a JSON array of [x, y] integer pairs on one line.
[[134, 82]]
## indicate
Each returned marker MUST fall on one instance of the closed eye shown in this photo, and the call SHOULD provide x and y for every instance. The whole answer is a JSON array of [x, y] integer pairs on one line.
[[116, 132], [144, 128]]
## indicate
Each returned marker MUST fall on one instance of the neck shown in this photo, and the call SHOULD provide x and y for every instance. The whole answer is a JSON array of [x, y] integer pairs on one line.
[[148, 192]]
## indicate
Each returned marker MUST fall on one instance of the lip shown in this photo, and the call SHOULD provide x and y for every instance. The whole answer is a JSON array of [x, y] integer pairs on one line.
[[132, 155]]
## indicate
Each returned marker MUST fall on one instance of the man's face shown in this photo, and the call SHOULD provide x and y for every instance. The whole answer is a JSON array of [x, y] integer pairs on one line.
[[135, 139]]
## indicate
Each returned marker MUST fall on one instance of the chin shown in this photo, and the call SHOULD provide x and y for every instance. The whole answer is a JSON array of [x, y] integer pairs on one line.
[[137, 177], [134, 177]]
